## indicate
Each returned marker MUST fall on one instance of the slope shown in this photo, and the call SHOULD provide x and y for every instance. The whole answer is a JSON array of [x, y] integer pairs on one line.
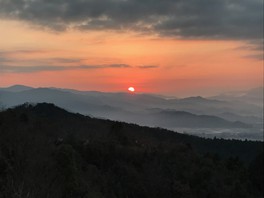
[[46, 151]]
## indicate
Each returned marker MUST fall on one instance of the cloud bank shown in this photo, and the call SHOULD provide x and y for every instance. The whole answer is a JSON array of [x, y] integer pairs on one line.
[[217, 19]]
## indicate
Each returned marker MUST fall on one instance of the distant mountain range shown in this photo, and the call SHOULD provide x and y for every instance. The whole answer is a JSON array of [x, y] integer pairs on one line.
[[252, 96], [16, 88], [170, 118], [232, 111]]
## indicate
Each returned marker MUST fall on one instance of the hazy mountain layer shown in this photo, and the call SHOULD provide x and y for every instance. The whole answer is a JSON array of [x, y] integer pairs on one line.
[[145, 109]]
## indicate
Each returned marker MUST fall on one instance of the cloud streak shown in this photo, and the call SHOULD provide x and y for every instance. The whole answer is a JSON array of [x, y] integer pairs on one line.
[[218, 19], [10, 57], [32, 69], [148, 66], [9, 63], [258, 57]]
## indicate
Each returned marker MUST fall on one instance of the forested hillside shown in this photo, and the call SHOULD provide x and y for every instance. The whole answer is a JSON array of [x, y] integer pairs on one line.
[[47, 152]]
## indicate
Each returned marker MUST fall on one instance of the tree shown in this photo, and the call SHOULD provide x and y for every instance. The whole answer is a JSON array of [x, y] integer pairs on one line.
[[256, 173], [68, 172]]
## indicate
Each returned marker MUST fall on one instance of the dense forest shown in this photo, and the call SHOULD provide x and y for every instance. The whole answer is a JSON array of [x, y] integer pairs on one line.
[[47, 152]]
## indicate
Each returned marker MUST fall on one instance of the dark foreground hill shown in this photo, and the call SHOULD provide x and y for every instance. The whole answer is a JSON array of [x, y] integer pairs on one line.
[[48, 152]]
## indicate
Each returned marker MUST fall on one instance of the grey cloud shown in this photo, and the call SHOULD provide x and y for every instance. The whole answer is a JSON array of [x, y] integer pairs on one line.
[[21, 51], [64, 60], [118, 65], [46, 64], [103, 66], [253, 45], [218, 19], [258, 57], [31, 69], [5, 57], [257, 44], [256, 48], [148, 66]]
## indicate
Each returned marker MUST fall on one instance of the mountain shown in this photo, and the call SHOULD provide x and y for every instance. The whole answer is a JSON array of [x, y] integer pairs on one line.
[[149, 110], [16, 88], [122, 106], [235, 117], [171, 118], [199, 99], [252, 96], [200, 105], [46, 151]]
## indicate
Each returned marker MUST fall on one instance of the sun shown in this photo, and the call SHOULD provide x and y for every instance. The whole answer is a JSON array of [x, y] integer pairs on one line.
[[131, 89]]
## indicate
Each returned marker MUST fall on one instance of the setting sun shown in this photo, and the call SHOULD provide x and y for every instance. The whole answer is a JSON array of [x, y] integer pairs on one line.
[[131, 89]]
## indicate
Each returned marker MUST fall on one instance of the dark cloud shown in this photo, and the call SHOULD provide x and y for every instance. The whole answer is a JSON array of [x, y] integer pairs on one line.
[[31, 69], [148, 66], [217, 19]]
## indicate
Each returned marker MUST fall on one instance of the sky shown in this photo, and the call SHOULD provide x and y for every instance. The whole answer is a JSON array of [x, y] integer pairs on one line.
[[172, 47]]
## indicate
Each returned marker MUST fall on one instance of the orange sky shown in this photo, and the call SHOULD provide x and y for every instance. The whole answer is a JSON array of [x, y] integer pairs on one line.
[[112, 61]]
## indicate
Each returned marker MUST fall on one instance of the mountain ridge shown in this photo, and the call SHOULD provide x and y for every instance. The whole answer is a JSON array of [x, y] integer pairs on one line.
[[138, 108], [69, 100], [55, 153]]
